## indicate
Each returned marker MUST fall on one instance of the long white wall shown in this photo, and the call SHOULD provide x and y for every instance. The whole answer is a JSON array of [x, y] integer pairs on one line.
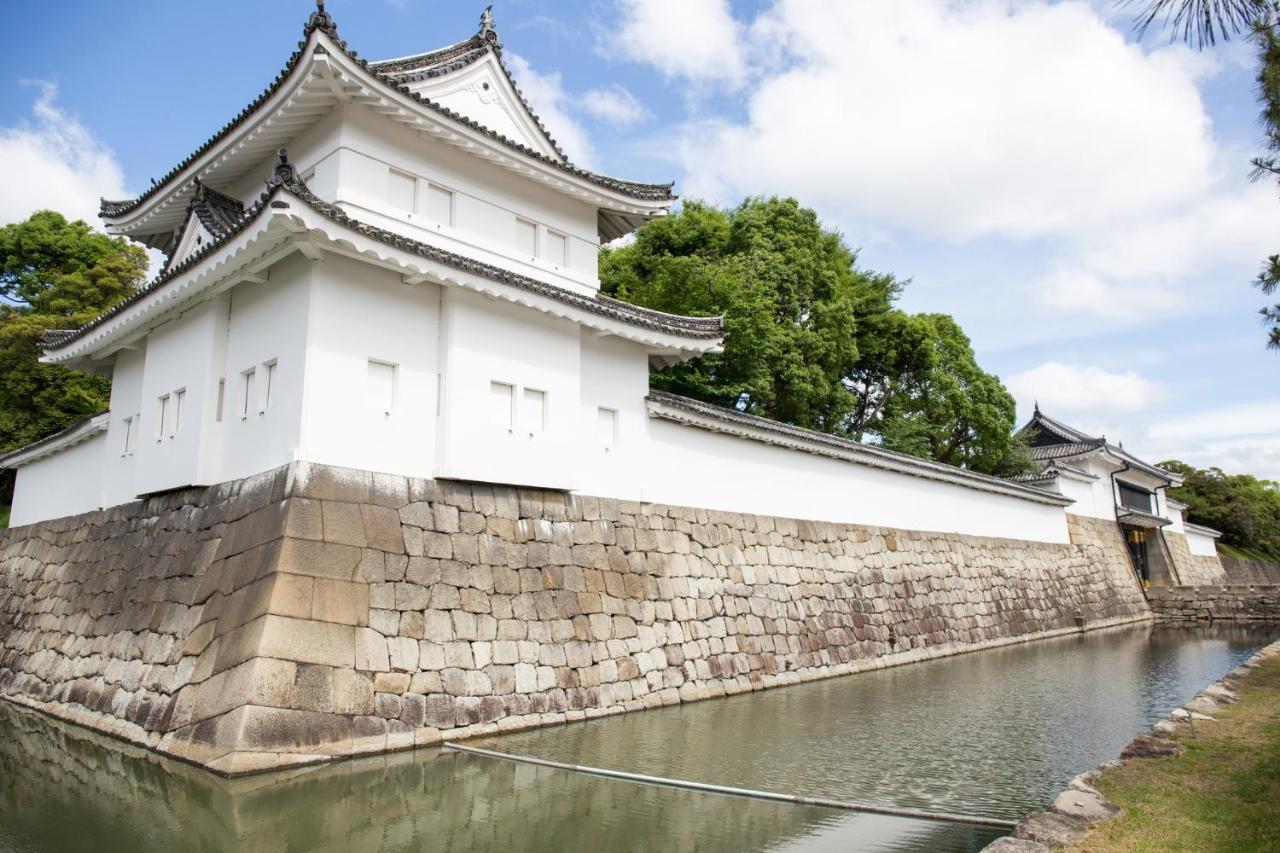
[[694, 467], [64, 483]]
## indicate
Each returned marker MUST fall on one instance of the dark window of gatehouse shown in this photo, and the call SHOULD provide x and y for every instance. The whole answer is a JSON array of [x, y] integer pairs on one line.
[[1135, 498]]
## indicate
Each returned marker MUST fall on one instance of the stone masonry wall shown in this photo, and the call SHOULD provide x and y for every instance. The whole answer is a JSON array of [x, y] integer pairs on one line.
[[1203, 603], [314, 612], [1240, 571], [1193, 569]]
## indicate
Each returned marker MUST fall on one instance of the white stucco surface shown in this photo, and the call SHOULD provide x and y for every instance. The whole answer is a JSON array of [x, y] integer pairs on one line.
[[1200, 544], [65, 483]]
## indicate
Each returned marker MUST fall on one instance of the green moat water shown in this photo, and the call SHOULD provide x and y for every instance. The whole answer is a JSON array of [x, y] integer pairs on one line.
[[994, 733]]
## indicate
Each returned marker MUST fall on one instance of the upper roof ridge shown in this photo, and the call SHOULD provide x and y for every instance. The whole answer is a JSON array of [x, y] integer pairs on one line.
[[322, 21]]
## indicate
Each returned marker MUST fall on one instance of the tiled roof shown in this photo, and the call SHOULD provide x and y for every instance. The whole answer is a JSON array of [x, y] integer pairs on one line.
[[285, 178], [1138, 518], [1074, 448], [321, 21], [1048, 475], [1052, 439], [218, 213], [78, 431]]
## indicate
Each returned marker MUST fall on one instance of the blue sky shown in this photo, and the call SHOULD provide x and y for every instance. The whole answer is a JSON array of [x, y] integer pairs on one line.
[[1079, 201]]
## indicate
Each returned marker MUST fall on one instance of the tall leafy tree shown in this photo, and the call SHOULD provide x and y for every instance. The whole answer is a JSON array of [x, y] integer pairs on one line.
[[813, 339], [790, 292], [54, 274], [953, 411], [1244, 508], [1203, 23]]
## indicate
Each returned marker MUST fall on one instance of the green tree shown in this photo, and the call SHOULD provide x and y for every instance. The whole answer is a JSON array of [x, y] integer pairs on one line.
[[813, 339], [1204, 23], [954, 412], [790, 292], [54, 274], [1244, 508]]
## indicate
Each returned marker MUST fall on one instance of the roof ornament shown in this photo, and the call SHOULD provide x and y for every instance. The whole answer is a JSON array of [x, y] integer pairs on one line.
[[285, 175], [487, 32], [322, 20], [1037, 407]]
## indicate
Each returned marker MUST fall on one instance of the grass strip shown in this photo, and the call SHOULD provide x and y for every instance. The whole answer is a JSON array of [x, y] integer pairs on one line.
[[1222, 794]]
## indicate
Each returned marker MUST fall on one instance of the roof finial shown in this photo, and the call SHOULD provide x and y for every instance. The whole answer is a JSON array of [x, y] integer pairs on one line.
[[1037, 407], [487, 31], [284, 174], [322, 20]]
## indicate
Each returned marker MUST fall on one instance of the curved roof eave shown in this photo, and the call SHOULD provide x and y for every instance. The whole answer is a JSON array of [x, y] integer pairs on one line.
[[320, 38], [686, 334]]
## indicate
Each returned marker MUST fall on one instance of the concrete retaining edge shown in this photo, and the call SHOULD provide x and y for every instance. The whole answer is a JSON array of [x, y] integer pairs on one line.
[[1081, 807]]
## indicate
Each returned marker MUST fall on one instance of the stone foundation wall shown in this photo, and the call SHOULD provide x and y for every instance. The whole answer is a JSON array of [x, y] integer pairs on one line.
[[1240, 571], [313, 612], [1193, 569], [1195, 603]]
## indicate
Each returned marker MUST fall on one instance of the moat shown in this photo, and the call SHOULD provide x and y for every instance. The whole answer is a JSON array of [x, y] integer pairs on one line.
[[994, 733]]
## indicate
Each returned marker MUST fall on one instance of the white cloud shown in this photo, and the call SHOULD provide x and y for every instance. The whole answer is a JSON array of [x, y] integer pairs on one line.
[[1093, 393], [52, 161], [615, 104], [1019, 120], [1081, 291], [1240, 439], [1244, 420], [546, 94], [694, 39]]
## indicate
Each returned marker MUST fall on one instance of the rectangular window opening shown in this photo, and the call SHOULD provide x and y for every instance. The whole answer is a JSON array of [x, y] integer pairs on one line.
[[533, 410], [440, 204], [162, 422], [269, 382], [246, 390], [1135, 498], [607, 427], [402, 190], [179, 398], [557, 249], [527, 238], [128, 436], [222, 396], [380, 391], [502, 404]]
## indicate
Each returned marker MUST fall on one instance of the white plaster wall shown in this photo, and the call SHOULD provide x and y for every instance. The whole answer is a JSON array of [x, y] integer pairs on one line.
[[358, 313], [1201, 545], [267, 322], [1084, 493], [615, 375], [180, 355], [119, 466], [481, 92], [487, 200], [695, 467], [483, 341], [65, 483]]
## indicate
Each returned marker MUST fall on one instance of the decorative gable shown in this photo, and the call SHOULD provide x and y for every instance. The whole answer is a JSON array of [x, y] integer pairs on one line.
[[471, 79]]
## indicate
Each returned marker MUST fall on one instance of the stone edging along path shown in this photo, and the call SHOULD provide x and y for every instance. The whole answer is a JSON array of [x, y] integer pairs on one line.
[[1081, 806]]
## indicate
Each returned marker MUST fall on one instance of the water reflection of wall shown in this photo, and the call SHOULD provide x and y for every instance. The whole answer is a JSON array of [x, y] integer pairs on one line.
[[61, 788]]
